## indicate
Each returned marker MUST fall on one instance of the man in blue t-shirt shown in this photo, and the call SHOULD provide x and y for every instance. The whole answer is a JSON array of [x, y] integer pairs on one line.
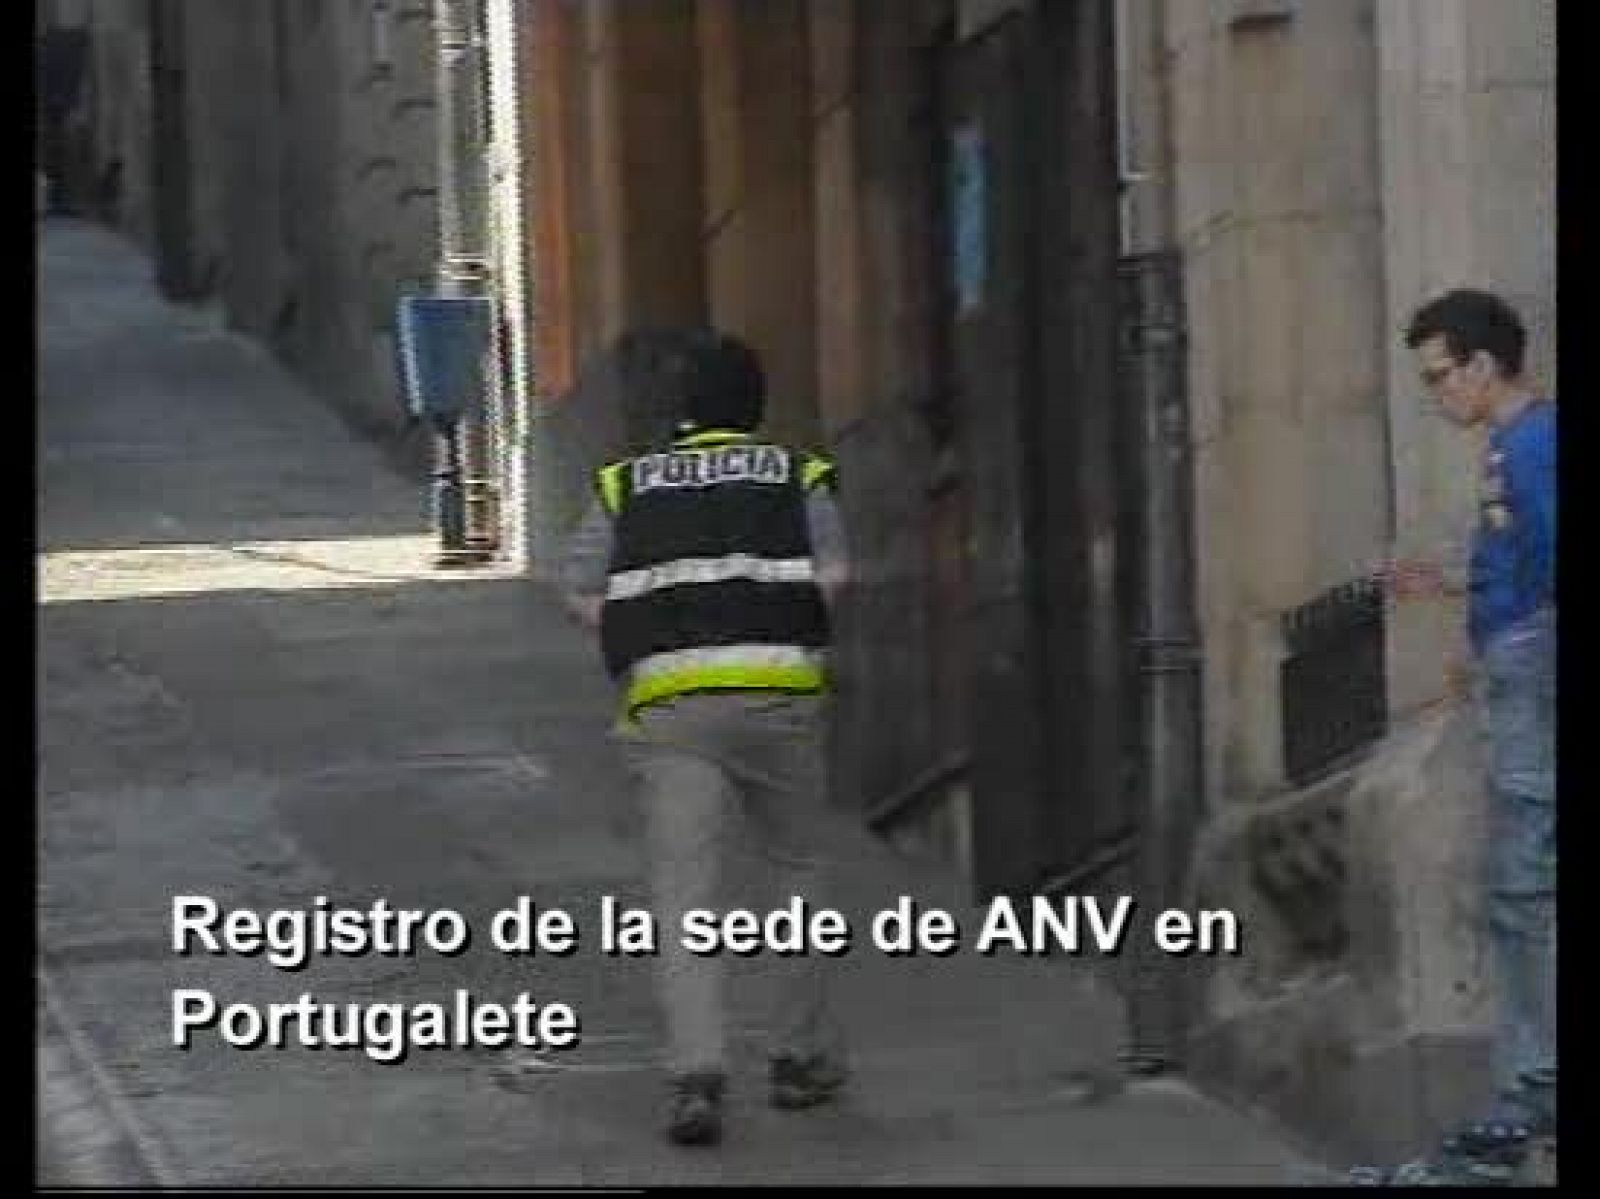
[[1469, 347]]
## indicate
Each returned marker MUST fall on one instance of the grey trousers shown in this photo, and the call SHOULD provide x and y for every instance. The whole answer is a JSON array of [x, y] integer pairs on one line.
[[702, 761]]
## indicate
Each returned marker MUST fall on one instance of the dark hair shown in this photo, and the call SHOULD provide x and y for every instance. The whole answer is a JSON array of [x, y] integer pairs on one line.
[[677, 379], [1470, 321], [729, 387]]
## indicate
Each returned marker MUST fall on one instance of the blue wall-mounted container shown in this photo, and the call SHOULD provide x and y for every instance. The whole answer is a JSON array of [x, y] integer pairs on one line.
[[444, 343]]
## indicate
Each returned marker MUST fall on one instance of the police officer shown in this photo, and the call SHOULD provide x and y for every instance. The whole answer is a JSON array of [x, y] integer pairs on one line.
[[709, 567]]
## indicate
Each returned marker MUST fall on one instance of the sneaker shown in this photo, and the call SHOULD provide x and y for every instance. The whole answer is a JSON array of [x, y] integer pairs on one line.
[[1426, 1172], [1448, 1172], [1486, 1153], [695, 1110], [801, 1082], [1495, 1143]]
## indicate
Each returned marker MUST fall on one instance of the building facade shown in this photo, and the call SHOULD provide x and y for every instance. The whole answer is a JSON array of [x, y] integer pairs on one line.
[[1098, 305], [279, 162]]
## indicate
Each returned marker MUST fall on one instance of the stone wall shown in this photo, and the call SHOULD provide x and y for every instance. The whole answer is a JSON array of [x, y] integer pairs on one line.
[[311, 187], [1332, 166]]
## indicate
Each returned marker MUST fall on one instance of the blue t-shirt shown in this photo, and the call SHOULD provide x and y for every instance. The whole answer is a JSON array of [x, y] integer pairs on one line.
[[1513, 565]]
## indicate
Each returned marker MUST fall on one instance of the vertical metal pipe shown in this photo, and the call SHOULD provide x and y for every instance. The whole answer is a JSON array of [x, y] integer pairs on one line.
[[463, 267], [1166, 648], [1167, 644]]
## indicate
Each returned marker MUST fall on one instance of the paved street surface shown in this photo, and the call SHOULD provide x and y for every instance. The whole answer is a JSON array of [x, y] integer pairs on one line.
[[254, 686]]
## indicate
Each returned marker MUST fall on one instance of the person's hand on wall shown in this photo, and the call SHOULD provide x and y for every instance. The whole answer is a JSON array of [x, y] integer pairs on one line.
[[1411, 578]]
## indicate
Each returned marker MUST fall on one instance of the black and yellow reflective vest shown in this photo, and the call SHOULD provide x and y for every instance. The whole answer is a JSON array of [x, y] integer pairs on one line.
[[712, 583]]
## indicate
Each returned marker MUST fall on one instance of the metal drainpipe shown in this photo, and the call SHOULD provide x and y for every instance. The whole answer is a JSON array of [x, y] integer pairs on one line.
[[467, 449], [1167, 639]]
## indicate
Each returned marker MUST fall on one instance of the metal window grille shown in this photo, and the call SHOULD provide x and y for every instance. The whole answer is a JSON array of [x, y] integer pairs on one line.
[[1333, 680]]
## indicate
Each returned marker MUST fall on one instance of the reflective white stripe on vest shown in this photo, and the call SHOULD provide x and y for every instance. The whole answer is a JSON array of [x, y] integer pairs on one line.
[[632, 583], [723, 657]]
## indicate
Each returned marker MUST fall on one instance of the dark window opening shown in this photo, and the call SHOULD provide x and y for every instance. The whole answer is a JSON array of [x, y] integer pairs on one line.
[[1333, 680]]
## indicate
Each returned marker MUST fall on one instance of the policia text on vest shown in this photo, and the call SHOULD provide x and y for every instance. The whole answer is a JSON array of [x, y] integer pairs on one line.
[[712, 583], [701, 468]]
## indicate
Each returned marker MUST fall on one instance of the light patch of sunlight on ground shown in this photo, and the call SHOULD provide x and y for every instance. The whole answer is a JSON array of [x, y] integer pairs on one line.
[[149, 572]]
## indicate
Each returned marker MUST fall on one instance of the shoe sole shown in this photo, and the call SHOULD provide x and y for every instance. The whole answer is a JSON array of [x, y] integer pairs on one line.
[[794, 1101], [695, 1138], [704, 1130]]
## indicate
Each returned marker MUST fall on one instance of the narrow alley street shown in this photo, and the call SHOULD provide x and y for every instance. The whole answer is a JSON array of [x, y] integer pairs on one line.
[[254, 685]]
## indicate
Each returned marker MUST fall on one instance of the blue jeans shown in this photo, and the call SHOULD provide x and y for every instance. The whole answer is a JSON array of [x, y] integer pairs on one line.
[[1519, 707]]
